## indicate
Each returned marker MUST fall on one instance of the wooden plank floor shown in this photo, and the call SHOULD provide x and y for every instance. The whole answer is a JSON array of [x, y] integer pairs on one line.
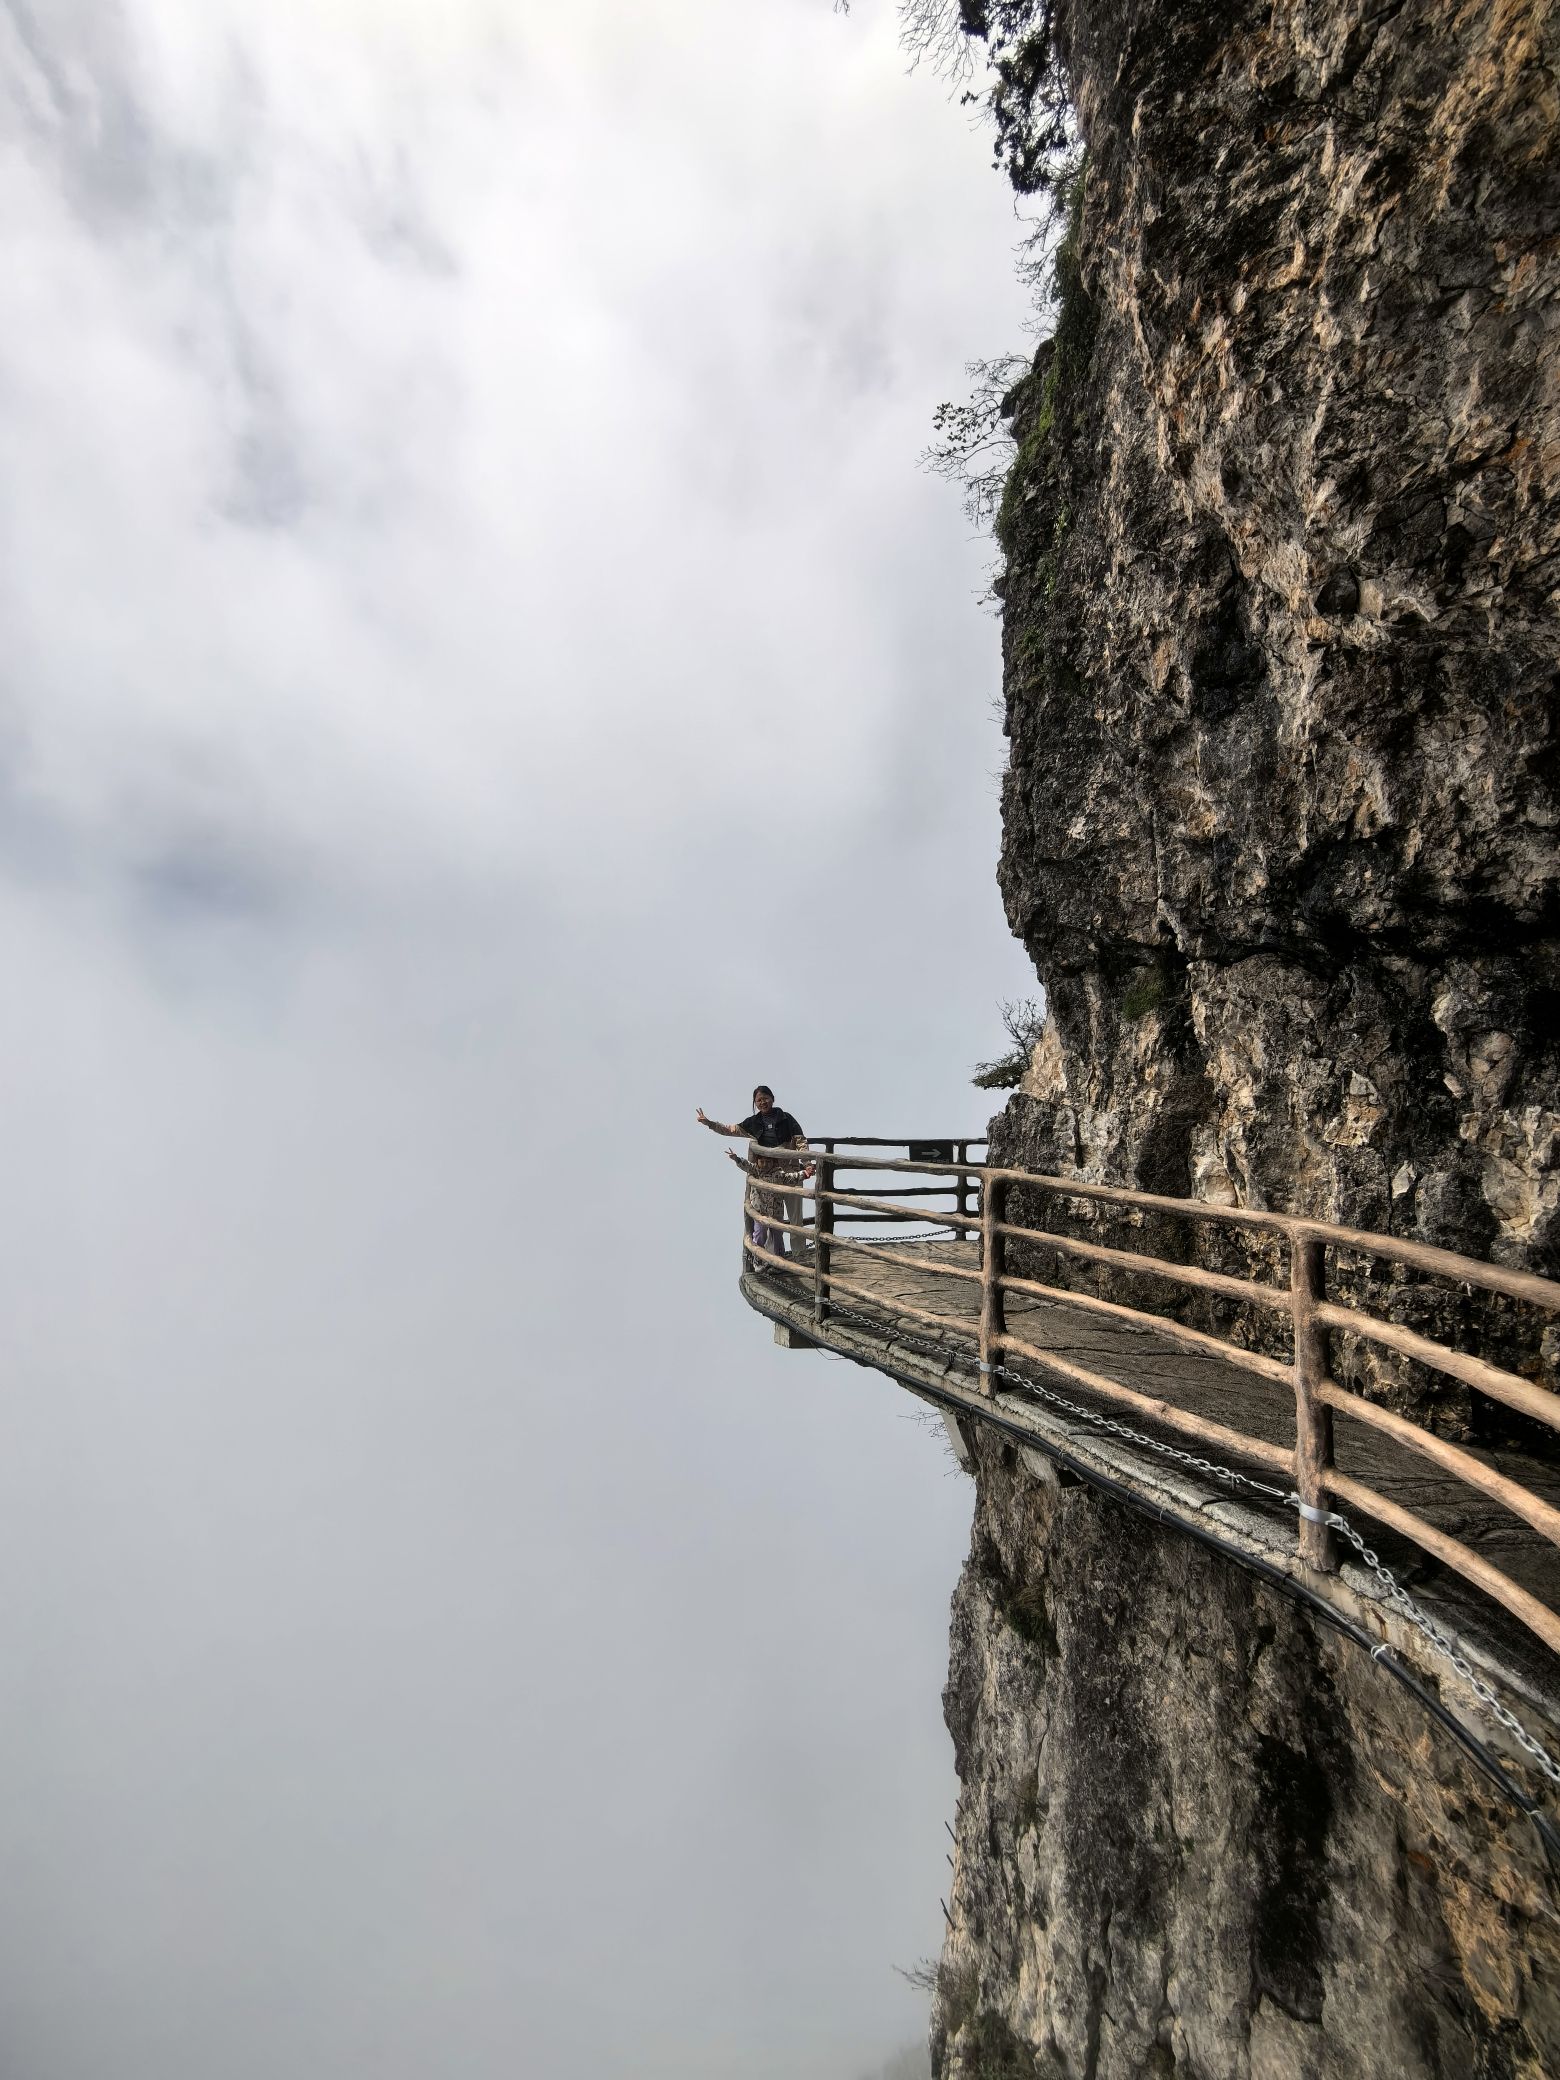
[[1204, 1386]]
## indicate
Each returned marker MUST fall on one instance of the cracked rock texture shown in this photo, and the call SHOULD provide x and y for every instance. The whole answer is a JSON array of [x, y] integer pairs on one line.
[[1281, 671], [1281, 650], [1199, 1836]]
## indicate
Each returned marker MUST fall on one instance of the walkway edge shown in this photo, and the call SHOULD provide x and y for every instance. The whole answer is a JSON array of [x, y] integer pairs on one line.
[[1264, 1538]]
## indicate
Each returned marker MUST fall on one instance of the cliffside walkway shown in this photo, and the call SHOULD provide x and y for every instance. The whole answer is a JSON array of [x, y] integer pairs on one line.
[[1196, 1426]]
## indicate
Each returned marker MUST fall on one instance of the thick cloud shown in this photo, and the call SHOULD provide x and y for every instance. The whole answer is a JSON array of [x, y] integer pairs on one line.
[[482, 674]]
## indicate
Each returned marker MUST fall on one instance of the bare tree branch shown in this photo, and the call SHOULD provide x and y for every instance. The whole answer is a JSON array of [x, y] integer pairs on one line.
[[1025, 1021], [973, 447], [933, 33]]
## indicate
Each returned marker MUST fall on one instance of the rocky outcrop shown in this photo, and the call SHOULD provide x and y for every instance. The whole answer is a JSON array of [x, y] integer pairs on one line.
[[1281, 654], [1199, 1836], [1281, 672]]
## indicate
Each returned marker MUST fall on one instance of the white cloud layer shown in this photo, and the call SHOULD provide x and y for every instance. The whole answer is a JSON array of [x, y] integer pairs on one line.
[[482, 674], [420, 435]]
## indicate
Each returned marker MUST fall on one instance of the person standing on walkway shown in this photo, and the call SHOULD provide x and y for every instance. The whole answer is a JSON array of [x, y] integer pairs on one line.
[[768, 1125]]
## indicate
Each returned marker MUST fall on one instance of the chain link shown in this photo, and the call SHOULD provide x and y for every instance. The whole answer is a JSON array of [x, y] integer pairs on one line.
[[1441, 1642]]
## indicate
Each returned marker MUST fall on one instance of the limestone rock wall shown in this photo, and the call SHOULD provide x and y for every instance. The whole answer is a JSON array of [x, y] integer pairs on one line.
[[1199, 1835], [1281, 675], [1281, 651]]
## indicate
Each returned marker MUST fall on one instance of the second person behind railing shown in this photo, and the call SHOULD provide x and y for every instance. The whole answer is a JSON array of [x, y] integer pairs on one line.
[[769, 1126]]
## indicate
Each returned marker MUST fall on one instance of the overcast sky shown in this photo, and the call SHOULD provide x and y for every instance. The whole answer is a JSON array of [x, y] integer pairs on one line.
[[481, 673]]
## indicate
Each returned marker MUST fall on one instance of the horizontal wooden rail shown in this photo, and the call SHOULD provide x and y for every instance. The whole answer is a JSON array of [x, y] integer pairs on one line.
[[1508, 1387], [1159, 1325], [781, 1263], [918, 1190], [1246, 1289], [789, 1187], [1452, 1552], [1080, 1188], [1162, 1325], [863, 1204], [908, 1263], [1150, 1405], [1442, 1263], [830, 1142], [1522, 1502]]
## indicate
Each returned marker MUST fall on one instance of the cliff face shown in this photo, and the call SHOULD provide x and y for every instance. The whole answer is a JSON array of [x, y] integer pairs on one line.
[[1281, 675], [1282, 660], [1198, 1836]]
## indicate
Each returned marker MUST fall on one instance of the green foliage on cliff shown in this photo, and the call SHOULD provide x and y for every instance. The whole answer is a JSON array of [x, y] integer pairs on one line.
[[1028, 1611], [1028, 96], [1144, 993], [1027, 522], [958, 1989], [997, 2053], [1028, 101]]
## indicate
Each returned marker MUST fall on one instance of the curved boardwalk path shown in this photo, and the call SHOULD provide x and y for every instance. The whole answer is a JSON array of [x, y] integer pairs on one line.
[[881, 1322]]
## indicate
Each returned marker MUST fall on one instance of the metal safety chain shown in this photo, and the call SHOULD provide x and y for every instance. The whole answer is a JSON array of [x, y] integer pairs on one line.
[[930, 1234], [1437, 1638], [1444, 1644], [1227, 1474]]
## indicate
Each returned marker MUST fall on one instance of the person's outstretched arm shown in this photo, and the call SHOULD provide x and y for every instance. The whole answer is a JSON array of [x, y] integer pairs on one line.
[[714, 1125]]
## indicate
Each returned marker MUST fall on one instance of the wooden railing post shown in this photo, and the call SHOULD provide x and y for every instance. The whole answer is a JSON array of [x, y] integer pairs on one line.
[[962, 1194], [823, 1229], [1313, 1419], [993, 1315]]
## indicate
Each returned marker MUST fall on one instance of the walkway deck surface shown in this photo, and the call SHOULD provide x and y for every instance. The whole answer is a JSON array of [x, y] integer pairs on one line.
[[1204, 1386]]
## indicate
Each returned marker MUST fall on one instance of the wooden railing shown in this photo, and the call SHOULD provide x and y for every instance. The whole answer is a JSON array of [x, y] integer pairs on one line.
[[920, 1150], [1303, 1301]]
